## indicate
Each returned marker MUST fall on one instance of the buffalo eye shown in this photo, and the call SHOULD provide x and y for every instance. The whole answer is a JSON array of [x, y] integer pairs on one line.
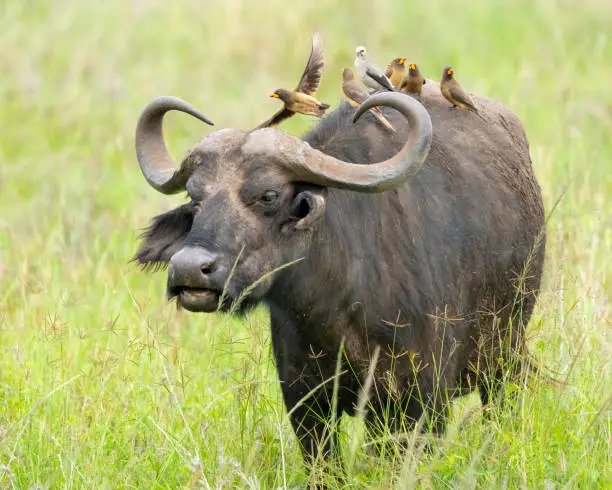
[[268, 198]]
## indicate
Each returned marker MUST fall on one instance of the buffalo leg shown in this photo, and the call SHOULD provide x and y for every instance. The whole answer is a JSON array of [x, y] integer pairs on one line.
[[384, 425], [400, 415], [307, 396], [503, 359], [310, 423]]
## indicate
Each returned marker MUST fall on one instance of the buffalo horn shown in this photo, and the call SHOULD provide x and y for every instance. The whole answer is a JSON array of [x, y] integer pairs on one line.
[[311, 165], [155, 161]]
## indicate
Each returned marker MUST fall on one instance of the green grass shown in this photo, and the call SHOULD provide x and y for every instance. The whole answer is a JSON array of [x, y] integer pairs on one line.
[[105, 385]]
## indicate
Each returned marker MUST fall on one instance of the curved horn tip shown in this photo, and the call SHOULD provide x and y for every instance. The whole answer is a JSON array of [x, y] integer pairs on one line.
[[167, 103], [389, 99], [155, 162]]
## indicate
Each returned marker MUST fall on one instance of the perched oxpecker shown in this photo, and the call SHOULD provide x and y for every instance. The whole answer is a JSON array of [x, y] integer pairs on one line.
[[356, 95], [452, 91], [369, 73], [413, 84], [396, 71]]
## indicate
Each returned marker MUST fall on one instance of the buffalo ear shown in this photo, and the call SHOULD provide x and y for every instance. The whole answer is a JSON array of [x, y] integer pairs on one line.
[[164, 237], [307, 208]]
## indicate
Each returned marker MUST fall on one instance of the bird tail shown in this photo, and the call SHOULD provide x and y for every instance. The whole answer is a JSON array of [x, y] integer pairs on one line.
[[321, 108], [379, 115], [481, 117]]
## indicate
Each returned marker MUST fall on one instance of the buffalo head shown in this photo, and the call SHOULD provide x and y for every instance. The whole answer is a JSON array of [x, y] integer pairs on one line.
[[255, 200]]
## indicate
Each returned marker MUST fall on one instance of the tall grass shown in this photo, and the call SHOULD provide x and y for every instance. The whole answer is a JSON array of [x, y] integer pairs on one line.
[[105, 385]]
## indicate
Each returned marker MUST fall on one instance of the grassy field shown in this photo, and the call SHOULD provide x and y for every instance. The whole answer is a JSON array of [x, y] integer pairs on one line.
[[105, 385]]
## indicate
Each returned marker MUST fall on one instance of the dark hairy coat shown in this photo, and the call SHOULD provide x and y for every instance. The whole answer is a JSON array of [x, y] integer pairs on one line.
[[435, 280]]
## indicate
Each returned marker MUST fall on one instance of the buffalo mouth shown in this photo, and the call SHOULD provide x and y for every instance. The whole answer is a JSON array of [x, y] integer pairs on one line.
[[196, 299]]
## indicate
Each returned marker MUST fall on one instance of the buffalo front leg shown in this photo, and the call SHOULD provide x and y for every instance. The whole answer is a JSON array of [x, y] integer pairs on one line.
[[310, 415], [307, 385]]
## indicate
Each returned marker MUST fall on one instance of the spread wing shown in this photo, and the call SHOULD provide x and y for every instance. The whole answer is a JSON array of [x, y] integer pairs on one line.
[[280, 116], [380, 77], [309, 83], [311, 78]]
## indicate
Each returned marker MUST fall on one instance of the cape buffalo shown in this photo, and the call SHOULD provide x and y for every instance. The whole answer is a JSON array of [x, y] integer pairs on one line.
[[416, 274]]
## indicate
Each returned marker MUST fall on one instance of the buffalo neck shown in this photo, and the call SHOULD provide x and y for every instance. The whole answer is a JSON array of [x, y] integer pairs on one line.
[[358, 265]]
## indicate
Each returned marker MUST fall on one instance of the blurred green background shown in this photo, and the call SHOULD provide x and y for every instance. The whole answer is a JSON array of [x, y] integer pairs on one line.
[[105, 385]]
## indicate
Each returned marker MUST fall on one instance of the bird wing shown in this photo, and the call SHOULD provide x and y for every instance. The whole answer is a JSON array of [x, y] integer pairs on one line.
[[311, 78], [379, 77], [281, 115], [462, 97], [354, 91]]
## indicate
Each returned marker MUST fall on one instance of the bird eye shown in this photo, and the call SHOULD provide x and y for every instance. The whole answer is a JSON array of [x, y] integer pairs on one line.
[[269, 197]]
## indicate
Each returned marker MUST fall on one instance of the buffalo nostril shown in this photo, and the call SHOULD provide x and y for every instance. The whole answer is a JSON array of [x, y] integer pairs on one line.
[[191, 267]]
